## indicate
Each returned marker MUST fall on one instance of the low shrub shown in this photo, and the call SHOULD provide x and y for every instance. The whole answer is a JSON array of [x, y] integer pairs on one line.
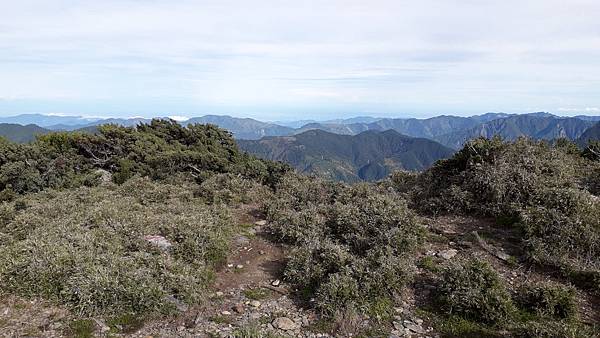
[[548, 300], [473, 290], [352, 244], [137, 248]]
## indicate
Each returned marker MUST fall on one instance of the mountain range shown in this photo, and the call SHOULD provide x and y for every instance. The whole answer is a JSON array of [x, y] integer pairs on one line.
[[355, 149], [368, 156]]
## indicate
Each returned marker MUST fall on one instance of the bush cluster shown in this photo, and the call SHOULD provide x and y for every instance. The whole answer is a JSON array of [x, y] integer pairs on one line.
[[474, 291], [88, 248], [548, 300], [545, 189], [159, 150], [352, 244]]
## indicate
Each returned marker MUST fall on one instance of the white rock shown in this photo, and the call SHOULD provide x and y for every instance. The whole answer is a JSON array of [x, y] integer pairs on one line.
[[225, 313], [159, 241], [219, 294], [255, 303], [276, 282], [261, 223], [239, 266]]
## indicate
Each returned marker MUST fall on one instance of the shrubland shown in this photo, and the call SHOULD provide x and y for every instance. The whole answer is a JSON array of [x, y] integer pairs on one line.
[[134, 221]]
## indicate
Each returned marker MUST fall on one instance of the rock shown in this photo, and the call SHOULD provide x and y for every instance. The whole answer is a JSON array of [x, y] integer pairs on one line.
[[276, 282], [230, 265], [448, 254], [239, 308], [413, 327], [159, 241], [219, 294], [261, 223], [103, 175], [398, 326], [503, 256], [419, 321], [255, 303], [226, 313], [239, 266], [284, 323]]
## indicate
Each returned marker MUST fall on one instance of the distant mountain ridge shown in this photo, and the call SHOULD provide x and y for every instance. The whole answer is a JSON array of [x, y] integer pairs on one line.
[[21, 134], [368, 156]]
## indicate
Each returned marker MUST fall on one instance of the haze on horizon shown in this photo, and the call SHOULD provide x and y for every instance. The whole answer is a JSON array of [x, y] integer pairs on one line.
[[292, 60]]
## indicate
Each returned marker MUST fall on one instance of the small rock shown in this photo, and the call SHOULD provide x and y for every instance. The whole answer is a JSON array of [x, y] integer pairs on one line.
[[503, 256], [241, 240], [284, 323], [219, 294], [239, 308], [276, 282], [398, 326], [239, 266], [255, 303], [261, 252], [419, 321], [261, 223], [159, 241], [226, 313], [230, 265], [448, 254]]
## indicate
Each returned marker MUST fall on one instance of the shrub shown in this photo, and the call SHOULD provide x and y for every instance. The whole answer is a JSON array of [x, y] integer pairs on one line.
[[87, 248], [548, 299], [352, 244], [473, 290]]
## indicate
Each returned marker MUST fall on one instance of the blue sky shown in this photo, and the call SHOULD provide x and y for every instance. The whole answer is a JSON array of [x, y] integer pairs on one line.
[[286, 60]]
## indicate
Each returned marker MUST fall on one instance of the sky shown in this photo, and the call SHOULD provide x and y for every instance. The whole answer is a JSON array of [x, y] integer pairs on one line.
[[290, 60]]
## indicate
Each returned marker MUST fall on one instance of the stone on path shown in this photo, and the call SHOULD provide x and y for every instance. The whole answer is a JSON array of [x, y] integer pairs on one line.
[[448, 254], [284, 323]]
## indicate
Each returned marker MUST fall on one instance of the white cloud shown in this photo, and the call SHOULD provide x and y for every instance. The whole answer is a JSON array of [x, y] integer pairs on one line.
[[398, 55]]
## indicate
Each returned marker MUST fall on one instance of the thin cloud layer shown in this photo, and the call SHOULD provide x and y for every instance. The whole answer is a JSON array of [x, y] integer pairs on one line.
[[275, 59]]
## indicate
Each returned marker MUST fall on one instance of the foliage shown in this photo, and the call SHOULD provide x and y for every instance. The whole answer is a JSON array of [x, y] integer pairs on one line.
[[160, 149], [352, 244], [473, 290], [548, 299], [87, 248]]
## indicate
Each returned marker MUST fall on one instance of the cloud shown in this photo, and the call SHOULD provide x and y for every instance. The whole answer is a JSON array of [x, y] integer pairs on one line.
[[447, 56]]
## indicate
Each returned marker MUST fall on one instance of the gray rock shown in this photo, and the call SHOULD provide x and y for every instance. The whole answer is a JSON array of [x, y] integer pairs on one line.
[[448, 254], [284, 323], [261, 223]]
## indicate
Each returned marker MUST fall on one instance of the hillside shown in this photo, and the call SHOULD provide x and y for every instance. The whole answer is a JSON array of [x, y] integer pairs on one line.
[[21, 134], [592, 133], [538, 127], [426, 128], [243, 128], [367, 156]]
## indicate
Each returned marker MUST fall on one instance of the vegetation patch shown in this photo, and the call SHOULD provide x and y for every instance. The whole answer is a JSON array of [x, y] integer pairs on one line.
[[352, 245], [142, 247]]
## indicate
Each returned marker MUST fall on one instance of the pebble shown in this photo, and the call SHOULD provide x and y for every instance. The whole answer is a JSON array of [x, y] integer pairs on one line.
[[276, 282], [226, 313], [255, 303], [239, 266], [219, 294]]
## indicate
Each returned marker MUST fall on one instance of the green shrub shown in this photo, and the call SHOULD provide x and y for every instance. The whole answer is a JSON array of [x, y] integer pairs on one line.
[[548, 299], [87, 248], [553, 329], [353, 245], [473, 290]]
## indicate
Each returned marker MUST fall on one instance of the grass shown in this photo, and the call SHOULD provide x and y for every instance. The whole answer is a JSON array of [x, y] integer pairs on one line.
[[257, 293], [81, 328]]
